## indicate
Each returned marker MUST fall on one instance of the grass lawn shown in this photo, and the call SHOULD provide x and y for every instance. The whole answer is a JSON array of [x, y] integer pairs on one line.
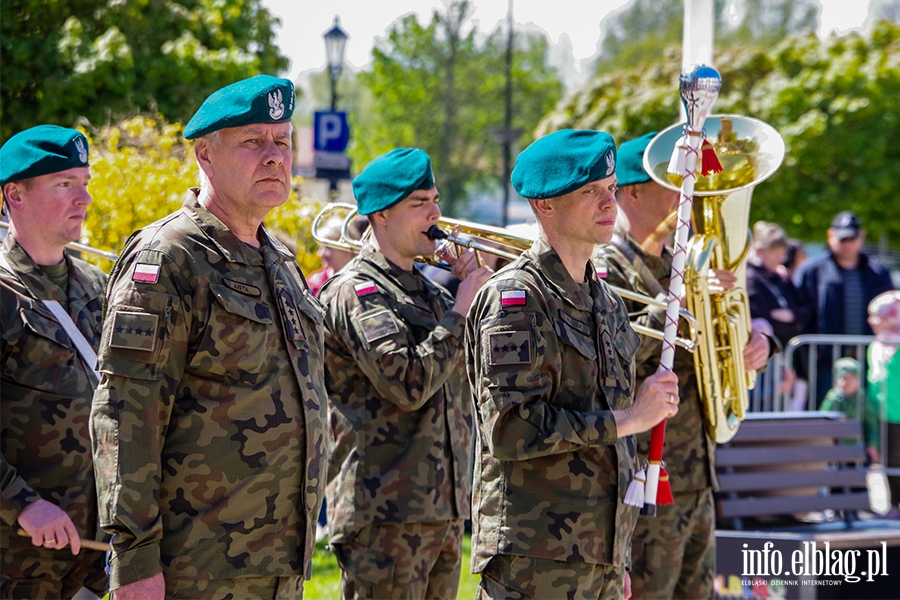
[[326, 576]]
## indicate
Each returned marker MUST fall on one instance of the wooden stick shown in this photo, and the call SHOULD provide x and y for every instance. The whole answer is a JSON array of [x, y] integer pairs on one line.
[[89, 544]]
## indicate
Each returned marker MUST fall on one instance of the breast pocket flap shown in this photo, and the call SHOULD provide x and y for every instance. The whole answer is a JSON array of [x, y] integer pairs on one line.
[[46, 327], [241, 305]]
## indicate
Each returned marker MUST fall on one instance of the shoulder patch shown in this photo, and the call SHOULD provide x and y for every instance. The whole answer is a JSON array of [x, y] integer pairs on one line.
[[509, 347], [365, 288], [378, 325], [145, 273], [134, 331], [513, 298], [602, 272]]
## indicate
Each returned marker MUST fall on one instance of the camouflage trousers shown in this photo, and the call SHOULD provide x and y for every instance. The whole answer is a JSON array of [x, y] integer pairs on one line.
[[674, 554], [32, 573], [514, 577], [402, 560], [241, 588]]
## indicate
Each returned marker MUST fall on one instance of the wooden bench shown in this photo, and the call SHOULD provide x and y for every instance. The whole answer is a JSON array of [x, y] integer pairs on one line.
[[784, 464], [797, 481]]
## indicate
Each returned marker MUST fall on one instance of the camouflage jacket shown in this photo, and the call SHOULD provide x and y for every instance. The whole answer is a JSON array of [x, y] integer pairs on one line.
[[548, 360], [47, 391], [208, 423], [688, 451], [399, 411]]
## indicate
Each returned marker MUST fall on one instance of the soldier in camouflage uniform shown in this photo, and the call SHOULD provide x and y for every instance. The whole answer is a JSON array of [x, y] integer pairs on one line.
[[673, 554], [46, 472], [550, 360], [208, 425], [399, 412]]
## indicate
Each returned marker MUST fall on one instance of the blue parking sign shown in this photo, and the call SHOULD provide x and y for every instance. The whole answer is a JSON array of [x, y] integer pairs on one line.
[[332, 133]]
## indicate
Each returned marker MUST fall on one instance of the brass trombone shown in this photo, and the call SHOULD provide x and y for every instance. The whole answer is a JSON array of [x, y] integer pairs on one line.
[[80, 247], [448, 230], [512, 246]]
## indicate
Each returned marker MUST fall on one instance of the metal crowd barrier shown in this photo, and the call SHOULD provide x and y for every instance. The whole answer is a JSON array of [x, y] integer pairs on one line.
[[768, 396]]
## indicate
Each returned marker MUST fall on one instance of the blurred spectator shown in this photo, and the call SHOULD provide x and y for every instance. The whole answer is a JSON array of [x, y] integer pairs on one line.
[[333, 259], [847, 397], [884, 379], [840, 286], [774, 298], [796, 256]]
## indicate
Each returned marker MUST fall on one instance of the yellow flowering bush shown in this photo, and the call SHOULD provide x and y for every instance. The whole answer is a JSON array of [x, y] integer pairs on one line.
[[141, 169]]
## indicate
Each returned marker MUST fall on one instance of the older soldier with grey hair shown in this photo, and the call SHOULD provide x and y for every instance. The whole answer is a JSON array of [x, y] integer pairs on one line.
[[50, 319], [550, 357], [209, 438], [399, 413]]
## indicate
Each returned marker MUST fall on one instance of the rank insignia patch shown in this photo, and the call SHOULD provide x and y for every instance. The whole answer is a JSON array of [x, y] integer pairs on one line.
[[145, 273], [509, 348], [609, 358], [291, 318], [134, 331], [378, 325]]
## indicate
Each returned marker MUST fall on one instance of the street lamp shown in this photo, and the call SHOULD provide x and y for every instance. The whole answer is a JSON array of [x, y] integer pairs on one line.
[[335, 44]]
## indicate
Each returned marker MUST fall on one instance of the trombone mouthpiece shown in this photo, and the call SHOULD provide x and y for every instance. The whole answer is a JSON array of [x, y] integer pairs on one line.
[[435, 233]]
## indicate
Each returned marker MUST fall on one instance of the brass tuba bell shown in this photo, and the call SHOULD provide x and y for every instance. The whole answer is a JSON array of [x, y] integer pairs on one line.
[[750, 151]]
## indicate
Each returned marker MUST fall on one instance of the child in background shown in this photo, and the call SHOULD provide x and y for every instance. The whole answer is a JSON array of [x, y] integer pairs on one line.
[[847, 397], [884, 379]]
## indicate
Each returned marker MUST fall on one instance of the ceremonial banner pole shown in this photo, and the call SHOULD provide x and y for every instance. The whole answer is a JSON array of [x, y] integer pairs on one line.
[[699, 90]]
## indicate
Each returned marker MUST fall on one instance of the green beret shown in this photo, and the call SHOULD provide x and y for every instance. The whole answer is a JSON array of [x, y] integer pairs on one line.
[[392, 177], [562, 162], [630, 161], [42, 150], [260, 99]]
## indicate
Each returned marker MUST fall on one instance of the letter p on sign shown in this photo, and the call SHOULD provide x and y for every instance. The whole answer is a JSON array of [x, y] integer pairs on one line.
[[332, 133]]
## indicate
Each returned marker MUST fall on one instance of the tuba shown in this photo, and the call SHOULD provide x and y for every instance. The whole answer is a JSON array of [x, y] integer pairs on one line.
[[750, 151]]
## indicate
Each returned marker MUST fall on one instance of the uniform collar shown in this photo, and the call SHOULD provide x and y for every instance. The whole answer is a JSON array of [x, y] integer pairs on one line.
[[30, 273], [411, 281], [553, 269], [231, 247], [620, 231]]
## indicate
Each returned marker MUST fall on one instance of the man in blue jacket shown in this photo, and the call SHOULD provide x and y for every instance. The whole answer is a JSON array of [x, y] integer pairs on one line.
[[840, 285]]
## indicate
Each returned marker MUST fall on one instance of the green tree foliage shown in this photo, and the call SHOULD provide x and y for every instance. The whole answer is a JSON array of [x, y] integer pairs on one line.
[[641, 31], [834, 101], [440, 87], [141, 169], [102, 59]]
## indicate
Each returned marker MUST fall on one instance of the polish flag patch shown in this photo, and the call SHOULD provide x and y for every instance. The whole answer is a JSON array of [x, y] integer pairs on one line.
[[365, 288], [512, 298], [602, 272], [145, 273]]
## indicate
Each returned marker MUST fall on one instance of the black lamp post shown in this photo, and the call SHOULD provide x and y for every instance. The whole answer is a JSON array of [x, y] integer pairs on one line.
[[335, 44]]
